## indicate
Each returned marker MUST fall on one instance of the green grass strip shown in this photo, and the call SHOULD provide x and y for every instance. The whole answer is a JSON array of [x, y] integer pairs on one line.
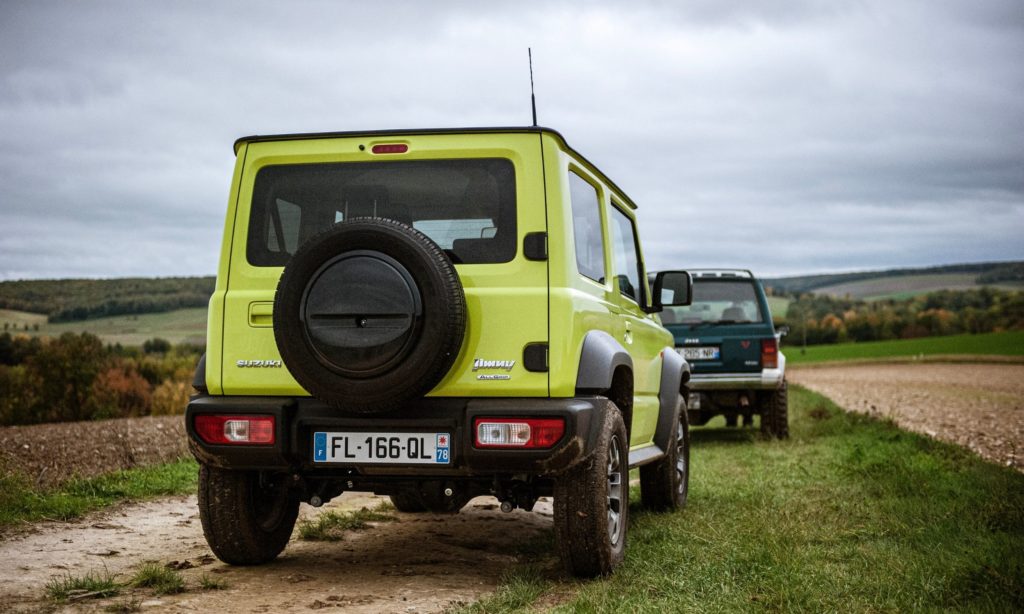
[[849, 515], [986, 344], [19, 502]]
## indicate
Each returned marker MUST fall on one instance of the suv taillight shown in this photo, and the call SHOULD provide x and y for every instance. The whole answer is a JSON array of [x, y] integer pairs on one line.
[[234, 429], [534, 433], [770, 353]]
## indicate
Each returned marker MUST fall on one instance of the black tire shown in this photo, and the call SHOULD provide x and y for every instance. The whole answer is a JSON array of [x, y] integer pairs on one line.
[[246, 520], [369, 314], [592, 504], [775, 414], [665, 484]]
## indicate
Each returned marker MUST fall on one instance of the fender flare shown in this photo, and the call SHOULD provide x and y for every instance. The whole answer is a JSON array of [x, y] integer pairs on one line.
[[675, 372], [601, 355]]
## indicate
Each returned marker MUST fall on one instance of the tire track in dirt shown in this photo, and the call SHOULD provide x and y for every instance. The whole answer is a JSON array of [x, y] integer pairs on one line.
[[978, 406], [418, 563]]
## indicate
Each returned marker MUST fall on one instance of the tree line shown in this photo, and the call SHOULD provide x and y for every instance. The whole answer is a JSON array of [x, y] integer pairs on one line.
[[825, 319], [76, 377], [65, 300]]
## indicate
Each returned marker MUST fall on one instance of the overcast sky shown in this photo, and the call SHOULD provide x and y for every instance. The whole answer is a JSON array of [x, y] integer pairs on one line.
[[784, 136]]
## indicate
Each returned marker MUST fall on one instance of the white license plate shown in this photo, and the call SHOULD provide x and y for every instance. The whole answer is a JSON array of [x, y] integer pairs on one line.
[[382, 448], [701, 353]]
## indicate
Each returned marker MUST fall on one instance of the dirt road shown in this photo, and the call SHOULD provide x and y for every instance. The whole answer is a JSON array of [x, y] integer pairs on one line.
[[979, 406], [418, 563]]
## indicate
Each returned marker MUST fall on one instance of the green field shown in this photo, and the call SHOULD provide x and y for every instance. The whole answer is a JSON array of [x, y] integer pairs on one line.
[[902, 287], [849, 515], [181, 326], [986, 344]]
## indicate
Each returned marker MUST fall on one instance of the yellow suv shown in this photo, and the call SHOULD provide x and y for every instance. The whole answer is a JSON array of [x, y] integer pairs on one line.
[[434, 315]]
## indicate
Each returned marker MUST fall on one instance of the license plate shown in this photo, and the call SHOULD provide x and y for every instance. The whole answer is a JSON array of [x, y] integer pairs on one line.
[[382, 448], [701, 353]]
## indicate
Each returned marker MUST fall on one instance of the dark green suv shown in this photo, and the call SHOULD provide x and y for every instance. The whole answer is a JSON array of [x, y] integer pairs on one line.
[[728, 338]]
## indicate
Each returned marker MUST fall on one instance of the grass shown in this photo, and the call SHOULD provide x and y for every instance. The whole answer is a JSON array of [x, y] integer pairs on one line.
[[331, 525], [162, 580], [850, 514], [20, 502], [208, 583], [988, 344], [91, 585], [179, 326]]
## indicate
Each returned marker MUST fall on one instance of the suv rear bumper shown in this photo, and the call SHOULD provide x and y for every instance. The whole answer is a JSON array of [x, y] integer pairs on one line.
[[765, 379], [296, 419]]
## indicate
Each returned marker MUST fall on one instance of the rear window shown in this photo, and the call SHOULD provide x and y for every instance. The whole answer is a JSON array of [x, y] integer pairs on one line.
[[468, 207], [715, 301]]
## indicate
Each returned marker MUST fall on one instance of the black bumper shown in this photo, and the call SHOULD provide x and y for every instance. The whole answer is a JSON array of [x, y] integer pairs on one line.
[[296, 419]]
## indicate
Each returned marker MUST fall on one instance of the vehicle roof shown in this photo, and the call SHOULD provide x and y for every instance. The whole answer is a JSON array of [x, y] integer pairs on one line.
[[258, 138]]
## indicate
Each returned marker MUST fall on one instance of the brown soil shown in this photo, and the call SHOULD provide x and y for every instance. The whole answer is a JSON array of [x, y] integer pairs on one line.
[[48, 454], [978, 406], [419, 563]]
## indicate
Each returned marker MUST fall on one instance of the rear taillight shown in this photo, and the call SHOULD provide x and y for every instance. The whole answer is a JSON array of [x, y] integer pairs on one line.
[[770, 353], [532, 433], [234, 429]]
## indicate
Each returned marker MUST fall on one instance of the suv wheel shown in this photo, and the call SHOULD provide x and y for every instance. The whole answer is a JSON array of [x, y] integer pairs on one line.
[[592, 504], [775, 415], [369, 314], [664, 485], [247, 518]]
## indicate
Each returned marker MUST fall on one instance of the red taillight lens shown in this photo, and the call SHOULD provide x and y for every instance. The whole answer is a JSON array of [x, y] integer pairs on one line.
[[390, 148], [532, 433], [769, 353], [233, 429]]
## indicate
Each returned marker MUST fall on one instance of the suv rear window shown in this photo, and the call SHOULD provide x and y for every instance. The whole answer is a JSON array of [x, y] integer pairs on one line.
[[725, 302], [468, 207]]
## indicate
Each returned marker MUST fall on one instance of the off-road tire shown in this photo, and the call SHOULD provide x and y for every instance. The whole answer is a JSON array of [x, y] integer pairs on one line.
[[589, 542], [775, 414], [246, 522], [665, 484], [328, 353]]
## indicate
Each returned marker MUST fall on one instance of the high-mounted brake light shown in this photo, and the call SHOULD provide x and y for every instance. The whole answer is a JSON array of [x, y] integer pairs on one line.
[[769, 353], [234, 429], [532, 433], [390, 148]]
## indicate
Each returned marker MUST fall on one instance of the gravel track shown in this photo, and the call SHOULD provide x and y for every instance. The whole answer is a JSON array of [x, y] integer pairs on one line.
[[978, 406]]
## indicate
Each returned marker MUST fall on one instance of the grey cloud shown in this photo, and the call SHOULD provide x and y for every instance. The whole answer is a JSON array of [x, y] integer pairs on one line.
[[784, 136]]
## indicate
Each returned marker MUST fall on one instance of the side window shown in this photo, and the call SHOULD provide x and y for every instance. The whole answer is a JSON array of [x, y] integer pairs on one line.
[[627, 261], [586, 228], [283, 227]]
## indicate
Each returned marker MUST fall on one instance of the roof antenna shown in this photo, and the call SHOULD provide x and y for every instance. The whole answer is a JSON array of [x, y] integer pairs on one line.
[[533, 99]]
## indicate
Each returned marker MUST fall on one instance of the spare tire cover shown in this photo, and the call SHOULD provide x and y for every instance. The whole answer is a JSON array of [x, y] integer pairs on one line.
[[369, 314]]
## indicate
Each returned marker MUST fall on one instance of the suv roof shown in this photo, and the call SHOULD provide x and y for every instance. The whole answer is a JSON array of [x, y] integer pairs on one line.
[[259, 138]]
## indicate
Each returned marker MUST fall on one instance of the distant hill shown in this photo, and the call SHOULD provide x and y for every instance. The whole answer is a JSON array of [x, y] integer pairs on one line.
[[69, 300], [904, 283]]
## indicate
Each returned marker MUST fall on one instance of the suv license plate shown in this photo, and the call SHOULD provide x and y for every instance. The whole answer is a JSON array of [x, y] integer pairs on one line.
[[382, 448], [701, 353]]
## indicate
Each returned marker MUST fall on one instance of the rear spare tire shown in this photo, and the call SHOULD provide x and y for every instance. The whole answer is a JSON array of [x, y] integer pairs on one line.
[[369, 314]]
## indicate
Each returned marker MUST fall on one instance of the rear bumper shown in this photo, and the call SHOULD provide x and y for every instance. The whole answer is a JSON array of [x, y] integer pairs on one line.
[[765, 379], [296, 419]]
